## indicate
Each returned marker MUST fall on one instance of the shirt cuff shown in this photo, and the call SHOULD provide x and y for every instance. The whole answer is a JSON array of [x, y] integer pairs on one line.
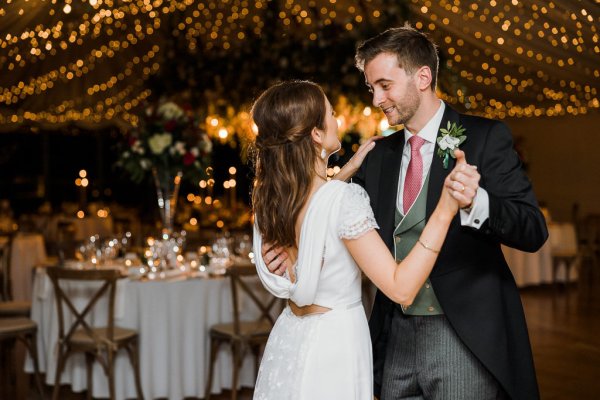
[[479, 212]]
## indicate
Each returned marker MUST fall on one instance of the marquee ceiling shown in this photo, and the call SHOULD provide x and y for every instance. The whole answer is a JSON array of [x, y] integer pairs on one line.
[[89, 62], [518, 58]]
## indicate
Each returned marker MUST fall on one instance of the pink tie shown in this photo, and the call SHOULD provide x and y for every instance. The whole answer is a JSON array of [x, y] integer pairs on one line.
[[414, 173]]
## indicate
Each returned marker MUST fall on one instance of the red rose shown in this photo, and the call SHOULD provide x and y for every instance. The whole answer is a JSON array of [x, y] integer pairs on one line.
[[170, 125], [132, 141], [188, 159]]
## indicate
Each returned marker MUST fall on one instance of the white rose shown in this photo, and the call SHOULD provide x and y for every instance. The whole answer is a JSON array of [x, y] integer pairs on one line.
[[125, 154], [448, 142], [195, 151], [145, 164], [180, 147], [137, 148], [170, 110], [159, 142], [206, 145]]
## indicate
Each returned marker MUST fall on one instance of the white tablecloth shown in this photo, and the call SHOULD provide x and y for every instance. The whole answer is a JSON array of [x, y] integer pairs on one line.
[[536, 268], [27, 251], [173, 319]]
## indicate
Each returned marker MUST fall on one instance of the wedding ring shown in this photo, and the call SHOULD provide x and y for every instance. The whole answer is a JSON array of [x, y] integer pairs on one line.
[[463, 188]]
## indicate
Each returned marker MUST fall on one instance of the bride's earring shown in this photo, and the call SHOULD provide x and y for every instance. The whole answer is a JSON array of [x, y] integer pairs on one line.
[[323, 154]]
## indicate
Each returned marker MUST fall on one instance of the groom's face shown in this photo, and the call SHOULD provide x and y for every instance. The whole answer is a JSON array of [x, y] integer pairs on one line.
[[393, 89]]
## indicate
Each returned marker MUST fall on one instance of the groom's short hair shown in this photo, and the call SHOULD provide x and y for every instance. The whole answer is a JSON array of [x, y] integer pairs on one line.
[[412, 48]]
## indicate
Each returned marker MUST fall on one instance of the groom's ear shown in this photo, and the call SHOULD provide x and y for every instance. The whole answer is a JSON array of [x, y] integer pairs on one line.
[[423, 78], [317, 135]]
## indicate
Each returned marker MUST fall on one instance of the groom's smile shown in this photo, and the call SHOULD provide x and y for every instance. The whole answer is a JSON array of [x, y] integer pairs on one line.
[[388, 110]]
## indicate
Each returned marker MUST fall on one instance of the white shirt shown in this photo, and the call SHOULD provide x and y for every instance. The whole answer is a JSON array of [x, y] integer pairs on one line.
[[480, 210]]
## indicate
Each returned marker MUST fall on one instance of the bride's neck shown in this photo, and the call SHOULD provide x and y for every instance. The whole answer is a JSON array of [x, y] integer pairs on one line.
[[320, 171]]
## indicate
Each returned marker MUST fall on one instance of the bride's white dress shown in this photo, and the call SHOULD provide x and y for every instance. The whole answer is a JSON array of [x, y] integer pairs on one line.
[[322, 356]]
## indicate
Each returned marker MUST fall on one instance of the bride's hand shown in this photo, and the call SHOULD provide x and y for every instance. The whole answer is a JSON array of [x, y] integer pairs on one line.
[[357, 159], [454, 193], [463, 181]]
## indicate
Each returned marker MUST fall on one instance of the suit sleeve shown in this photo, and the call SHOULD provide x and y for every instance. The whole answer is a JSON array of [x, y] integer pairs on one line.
[[514, 215]]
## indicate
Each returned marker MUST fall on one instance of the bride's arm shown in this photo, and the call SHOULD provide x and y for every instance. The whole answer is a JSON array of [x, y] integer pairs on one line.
[[402, 282]]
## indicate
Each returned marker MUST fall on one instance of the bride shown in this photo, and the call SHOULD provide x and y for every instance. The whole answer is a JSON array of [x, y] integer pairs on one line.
[[320, 347]]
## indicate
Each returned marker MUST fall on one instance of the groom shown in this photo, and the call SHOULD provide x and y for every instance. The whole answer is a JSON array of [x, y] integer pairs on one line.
[[465, 335]]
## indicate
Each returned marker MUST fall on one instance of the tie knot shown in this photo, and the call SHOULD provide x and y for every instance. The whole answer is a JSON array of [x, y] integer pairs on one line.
[[415, 143]]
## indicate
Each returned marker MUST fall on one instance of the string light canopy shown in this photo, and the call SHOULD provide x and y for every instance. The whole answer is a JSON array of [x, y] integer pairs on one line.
[[87, 62], [91, 63], [516, 58]]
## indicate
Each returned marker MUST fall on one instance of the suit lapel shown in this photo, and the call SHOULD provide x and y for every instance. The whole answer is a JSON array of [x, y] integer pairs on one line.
[[388, 182], [437, 173]]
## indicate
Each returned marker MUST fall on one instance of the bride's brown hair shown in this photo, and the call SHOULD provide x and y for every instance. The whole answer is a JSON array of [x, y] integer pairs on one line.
[[285, 115]]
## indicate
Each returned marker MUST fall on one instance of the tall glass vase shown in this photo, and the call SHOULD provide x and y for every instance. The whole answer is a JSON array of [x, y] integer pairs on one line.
[[167, 192]]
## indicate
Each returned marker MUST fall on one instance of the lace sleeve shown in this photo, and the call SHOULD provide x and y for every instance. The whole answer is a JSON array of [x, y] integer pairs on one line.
[[356, 216]]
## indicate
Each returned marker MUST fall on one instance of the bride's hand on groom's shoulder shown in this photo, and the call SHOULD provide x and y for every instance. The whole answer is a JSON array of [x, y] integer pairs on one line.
[[364, 149], [276, 259], [357, 159]]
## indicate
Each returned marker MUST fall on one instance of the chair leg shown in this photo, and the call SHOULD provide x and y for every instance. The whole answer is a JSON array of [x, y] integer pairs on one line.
[[31, 344], [9, 361], [256, 353], [555, 265], [236, 349], [132, 350], [110, 364], [568, 265], [214, 347], [89, 365], [62, 359]]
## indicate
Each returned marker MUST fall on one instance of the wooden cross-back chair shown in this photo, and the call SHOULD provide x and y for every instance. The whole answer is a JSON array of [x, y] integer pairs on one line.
[[564, 251], [243, 335], [98, 343], [8, 306], [592, 239], [24, 330], [5, 248]]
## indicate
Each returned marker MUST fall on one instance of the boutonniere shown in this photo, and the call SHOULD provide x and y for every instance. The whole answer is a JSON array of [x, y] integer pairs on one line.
[[448, 140]]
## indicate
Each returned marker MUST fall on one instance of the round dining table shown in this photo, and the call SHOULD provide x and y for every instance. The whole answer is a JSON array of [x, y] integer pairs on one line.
[[531, 269], [172, 316]]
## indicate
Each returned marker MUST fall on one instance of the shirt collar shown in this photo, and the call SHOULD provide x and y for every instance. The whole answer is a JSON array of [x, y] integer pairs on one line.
[[430, 130]]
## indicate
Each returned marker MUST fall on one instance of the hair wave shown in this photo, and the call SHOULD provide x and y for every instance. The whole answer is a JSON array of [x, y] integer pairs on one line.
[[285, 155]]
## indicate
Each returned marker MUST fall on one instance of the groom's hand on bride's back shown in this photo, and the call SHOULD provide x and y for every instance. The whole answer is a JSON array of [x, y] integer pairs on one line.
[[276, 258]]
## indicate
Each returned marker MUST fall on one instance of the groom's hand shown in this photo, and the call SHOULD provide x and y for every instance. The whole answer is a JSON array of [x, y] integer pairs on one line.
[[276, 259], [464, 181]]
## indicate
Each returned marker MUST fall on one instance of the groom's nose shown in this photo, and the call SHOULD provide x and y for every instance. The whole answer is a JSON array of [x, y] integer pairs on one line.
[[378, 97]]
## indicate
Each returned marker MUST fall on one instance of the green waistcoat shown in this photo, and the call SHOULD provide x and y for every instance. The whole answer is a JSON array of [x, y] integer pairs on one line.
[[408, 230]]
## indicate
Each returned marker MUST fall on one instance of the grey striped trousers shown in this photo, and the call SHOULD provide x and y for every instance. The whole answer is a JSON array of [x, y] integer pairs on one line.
[[426, 360]]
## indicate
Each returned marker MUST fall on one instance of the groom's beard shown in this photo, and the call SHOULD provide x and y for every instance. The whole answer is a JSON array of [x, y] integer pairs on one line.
[[404, 109]]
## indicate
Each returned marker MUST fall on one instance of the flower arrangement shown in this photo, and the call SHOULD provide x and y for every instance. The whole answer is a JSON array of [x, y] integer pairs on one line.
[[169, 139]]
